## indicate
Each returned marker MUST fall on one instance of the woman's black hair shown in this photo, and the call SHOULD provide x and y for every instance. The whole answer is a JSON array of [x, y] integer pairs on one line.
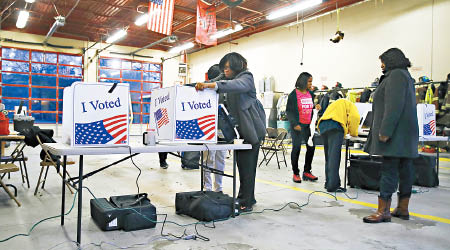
[[394, 59], [237, 62], [214, 71], [302, 81]]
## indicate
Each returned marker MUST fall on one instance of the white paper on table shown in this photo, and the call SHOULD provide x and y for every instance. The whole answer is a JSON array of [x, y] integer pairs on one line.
[[312, 127]]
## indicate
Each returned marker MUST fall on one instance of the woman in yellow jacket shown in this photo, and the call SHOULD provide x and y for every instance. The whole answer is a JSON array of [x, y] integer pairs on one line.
[[340, 118]]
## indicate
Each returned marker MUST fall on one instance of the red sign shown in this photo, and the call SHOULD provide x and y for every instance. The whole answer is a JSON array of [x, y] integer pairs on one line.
[[206, 23]]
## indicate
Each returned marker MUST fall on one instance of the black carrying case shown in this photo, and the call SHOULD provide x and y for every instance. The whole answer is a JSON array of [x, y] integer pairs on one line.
[[365, 171], [127, 212], [204, 205]]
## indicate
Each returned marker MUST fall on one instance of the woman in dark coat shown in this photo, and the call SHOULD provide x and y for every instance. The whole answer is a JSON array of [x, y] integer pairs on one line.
[[299, 110], [250, 117], [394, 134]]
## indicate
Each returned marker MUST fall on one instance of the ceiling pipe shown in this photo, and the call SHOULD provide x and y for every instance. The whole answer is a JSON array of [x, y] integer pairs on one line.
[[59, 22], [170, 39]]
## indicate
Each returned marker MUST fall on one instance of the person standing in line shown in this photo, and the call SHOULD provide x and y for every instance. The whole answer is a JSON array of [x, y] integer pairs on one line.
[[299, 110], [163, 160], [214, 158], [340, 118], [249, 114], [394, 134]]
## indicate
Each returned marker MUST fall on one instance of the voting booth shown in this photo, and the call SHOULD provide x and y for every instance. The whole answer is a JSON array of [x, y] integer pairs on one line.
[[96, 114], [426, 115], [182, 114]]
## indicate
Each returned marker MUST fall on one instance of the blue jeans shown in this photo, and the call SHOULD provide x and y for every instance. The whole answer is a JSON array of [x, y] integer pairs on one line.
[[332, 142], [393, 170]]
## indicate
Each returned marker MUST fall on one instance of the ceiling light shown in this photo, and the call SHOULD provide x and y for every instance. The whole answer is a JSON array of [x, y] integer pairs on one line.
[[182, 47], [303, 5], [141, 20], [116, 36], [29, 1], [226, 32], [22, 19]]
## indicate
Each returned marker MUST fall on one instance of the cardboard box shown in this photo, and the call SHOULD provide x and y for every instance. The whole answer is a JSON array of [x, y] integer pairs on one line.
[[94, 117], [182, 114]]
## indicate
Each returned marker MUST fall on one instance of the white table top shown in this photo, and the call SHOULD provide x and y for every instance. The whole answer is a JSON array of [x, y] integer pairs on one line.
[[421, 138], [64, 149], [434, 138]]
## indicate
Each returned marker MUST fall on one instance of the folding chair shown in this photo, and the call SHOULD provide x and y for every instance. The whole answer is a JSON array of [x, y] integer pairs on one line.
[[8, 168], [286, 140], [274, 146], [45, 164], [17, 155]]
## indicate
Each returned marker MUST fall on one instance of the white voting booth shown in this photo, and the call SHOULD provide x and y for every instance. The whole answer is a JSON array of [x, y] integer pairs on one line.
[[93, 115], [426, 115], [182, 114]]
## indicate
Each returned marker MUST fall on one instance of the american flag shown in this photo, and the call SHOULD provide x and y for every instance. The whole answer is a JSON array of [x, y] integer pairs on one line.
[[161, 117], [430, 128], [203, 128], [112, 130], [160, 14]]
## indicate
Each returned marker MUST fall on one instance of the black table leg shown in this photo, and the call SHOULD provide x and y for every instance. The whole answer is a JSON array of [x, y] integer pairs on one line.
[[347, 143], [201, 171], [437, 160], [80, 199], [63, 199], [234, 184]]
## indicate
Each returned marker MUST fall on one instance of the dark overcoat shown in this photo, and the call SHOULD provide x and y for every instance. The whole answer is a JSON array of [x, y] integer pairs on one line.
[[394, 115], [244, 106]]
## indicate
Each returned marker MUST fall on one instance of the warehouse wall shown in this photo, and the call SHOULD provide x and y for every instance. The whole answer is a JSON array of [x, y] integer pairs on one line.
[[419, 27], [170, 67]]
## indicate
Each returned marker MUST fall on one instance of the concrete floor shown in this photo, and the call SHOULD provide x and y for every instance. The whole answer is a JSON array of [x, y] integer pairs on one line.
[[323, 224]]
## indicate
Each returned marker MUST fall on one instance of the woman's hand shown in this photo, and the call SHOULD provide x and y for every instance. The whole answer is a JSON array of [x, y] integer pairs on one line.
[[318, 107], [298, 128], [205, 85], [383, 138]]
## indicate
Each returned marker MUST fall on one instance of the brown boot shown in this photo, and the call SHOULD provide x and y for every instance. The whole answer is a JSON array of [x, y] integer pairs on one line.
[[383, 213], [402, 207]]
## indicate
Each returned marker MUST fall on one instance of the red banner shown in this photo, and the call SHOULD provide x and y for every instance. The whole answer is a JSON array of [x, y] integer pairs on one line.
[[206, 23]]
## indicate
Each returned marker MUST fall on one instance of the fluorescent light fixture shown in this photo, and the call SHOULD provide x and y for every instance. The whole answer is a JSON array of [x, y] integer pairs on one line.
[[226, 32], [29, 1], [141, 20], [22, 19], [182, 47], [303, 5], [116, 36]]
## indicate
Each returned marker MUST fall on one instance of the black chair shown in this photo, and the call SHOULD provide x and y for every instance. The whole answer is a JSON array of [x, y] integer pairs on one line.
[[18, 156], [271, 147]]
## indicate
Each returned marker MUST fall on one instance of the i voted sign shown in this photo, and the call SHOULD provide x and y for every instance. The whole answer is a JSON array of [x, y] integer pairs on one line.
[[426, 116], [92, 116], [182, 114]]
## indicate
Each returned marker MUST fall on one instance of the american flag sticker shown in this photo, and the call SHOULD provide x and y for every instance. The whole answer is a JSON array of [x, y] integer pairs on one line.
[[429, 128], [161, 117], [203, 128], [113, 130]]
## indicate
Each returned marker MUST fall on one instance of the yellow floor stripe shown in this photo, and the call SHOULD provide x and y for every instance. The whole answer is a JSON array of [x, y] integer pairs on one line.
[[366, 204], [354, 151]]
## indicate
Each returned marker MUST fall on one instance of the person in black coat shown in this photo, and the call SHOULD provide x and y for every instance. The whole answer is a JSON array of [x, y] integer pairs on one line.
[[299, 117], [394, 134]]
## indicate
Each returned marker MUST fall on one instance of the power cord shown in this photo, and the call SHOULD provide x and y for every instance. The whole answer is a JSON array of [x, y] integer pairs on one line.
[[39, 222]]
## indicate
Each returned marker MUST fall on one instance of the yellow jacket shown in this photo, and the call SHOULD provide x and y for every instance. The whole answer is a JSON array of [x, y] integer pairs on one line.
[[344, 112]]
